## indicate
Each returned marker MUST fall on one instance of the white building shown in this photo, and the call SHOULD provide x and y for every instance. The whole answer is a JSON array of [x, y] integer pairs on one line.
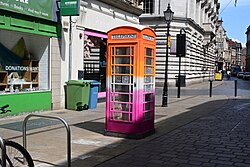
[[95, 19], [222, 48], [198, 18]]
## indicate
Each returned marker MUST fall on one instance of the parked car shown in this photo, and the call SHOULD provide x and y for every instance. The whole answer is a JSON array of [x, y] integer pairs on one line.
[[235, 70], [246, 75], [240, 74]]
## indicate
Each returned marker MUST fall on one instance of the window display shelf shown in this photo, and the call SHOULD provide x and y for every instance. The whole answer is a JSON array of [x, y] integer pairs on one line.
[[19, 83], [3, 79], [32, 74]]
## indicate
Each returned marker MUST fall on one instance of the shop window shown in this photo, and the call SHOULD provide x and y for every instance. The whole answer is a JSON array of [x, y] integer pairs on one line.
[[20, 70]]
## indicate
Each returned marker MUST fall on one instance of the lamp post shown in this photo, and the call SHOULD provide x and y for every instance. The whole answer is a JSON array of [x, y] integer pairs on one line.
[[168, 16]]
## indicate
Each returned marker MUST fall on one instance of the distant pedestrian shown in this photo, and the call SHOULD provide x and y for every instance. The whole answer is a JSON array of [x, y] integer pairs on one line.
[[228, 74]]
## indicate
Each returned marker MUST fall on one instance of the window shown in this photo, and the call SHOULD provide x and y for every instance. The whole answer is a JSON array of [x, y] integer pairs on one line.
[[148, 6], [122, 59], [24, 69]]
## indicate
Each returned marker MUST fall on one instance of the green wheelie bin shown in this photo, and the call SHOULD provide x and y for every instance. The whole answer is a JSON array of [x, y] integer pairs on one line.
[[77, 94]]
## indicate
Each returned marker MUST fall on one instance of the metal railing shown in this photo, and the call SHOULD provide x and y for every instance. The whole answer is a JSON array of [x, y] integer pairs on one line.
[[50, 117]]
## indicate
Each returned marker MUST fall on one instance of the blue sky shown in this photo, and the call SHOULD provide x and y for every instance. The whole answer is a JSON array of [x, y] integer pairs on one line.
[[236, 19]]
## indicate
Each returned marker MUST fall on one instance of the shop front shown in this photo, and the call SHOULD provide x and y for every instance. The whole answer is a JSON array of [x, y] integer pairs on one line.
[[95, 48], [25, 54], [96, 19]]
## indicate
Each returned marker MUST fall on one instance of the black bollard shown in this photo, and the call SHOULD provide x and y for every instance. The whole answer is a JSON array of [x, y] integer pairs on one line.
[[179, 86], [210, 89], [235, 88]]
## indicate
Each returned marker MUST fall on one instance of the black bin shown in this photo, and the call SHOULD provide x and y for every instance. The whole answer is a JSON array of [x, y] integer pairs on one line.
[[182, 81]]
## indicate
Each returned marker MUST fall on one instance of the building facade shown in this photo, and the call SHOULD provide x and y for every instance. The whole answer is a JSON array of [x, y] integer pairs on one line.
[[238, 54], [86, 58], [229, 52], [243, 59], [198, 18], [30, 42], [223, 57], [235, 49], [51, 49], [248, 49]]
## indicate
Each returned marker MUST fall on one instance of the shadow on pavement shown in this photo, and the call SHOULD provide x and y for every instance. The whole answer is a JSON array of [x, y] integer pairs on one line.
[[193, 138], [97, 127]]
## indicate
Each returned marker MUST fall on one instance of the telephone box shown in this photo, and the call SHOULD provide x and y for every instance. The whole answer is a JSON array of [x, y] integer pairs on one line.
[[130, 105]]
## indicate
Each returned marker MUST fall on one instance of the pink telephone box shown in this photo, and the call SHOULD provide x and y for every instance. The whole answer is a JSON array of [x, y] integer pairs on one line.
[[130, 106]]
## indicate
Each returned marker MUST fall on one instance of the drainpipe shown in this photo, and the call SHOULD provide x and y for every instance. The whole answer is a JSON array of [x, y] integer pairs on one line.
[[70, 47]]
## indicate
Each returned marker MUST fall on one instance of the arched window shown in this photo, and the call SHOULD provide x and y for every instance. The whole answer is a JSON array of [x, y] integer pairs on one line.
[[148, 6]]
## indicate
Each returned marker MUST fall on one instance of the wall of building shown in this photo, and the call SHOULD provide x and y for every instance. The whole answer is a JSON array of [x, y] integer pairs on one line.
[[100, 16], [198, 18], [243, 58], [248, 49], [56, 74]]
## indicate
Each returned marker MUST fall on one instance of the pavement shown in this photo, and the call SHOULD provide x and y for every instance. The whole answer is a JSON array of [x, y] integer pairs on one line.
[[194, 130]]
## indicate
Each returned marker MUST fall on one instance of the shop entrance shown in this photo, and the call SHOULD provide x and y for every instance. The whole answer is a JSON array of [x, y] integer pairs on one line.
[[95, 47]]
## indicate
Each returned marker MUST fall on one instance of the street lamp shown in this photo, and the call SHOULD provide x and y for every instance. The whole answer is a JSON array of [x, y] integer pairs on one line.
[[168, 16]]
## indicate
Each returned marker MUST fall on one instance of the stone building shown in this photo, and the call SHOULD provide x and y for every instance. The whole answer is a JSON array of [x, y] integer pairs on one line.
[[198, 18], [235, 50], [243, 59], [229, 52], [223, 55], [248, 49], [238, 54]]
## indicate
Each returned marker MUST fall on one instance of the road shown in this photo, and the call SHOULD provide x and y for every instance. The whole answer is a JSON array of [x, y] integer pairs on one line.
[[216, 139]]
